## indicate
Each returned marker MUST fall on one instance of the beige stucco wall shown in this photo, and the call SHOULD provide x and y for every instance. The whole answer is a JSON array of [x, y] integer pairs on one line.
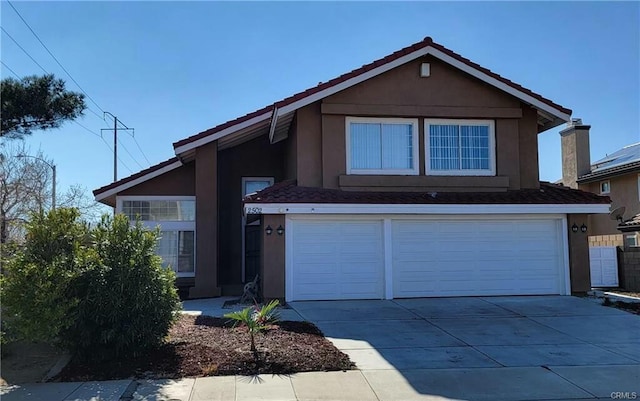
[[624, 192]]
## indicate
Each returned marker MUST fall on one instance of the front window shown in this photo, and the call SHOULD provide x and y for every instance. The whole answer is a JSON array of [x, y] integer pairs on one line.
[[605, 187], [465, 147], [382, 146], [252, 185], [176, 219]]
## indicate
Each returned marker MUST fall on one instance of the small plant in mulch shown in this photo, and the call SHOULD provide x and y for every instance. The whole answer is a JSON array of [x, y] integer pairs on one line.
[[256, 319]]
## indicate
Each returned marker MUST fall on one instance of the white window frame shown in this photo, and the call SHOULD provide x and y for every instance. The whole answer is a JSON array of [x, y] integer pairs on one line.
[[167, 225], [415, 170], [608, 191], [244, 217], [264, 179], [492, 147]]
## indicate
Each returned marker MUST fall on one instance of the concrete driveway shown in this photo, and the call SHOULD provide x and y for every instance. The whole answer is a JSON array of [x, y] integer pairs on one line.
[[486, 348]]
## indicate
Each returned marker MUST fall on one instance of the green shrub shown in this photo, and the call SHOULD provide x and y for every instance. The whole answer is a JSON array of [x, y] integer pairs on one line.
[[98, 292], [128, 303], [37, 278]]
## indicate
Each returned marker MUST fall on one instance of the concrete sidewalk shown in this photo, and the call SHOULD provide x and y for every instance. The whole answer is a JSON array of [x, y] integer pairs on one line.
[[479, 384]]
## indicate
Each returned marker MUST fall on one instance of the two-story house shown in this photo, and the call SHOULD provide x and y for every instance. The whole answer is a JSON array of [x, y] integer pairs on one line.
[[415, 175], [616, 175]]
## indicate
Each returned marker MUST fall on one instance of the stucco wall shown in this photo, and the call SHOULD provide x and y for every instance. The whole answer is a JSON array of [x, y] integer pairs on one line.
[[180, 181], [273, 258], [578, 255], [206, 281], [256, 158], [624, 192], [401, 92]]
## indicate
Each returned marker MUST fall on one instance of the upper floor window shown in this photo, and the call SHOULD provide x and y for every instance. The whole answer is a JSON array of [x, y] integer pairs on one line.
[[254, 184], [382, 146], [605, 187], [460, 147]]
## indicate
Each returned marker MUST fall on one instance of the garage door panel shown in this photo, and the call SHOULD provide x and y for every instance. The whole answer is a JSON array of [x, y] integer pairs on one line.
[[336, 260], [476, 258]]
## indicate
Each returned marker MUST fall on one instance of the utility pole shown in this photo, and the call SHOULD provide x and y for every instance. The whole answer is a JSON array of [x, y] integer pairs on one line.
[[115, 141]]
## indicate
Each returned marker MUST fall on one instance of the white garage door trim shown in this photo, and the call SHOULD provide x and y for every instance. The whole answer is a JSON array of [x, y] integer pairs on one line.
[[386, 220]]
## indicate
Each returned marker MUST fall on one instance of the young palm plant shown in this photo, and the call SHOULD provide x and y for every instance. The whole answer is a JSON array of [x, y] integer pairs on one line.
[[256, 319]]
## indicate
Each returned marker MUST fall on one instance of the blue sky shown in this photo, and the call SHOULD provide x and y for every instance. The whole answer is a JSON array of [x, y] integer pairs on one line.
[[172, 69]]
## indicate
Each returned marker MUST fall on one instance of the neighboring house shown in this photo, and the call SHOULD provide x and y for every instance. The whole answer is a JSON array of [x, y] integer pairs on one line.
[[616, 175], [413, 176]]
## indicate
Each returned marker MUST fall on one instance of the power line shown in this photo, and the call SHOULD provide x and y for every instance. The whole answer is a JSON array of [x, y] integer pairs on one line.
[[54, 57], [111, 149], [41, 67], [87, 129], [138, 145], [131, 156], [10, 70], [22, 48]]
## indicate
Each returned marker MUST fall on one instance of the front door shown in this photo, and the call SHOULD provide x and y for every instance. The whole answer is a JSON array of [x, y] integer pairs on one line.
[[252, 247]]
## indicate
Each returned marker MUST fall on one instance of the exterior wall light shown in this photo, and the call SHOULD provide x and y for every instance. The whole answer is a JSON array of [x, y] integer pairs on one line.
[[268, 230], [280, 230], [583, 228], [574, 228]]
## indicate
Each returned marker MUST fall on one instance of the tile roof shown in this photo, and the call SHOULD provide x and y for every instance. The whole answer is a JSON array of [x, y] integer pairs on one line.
[[633, 224], [365, 68], [132, 177], [289, 192]]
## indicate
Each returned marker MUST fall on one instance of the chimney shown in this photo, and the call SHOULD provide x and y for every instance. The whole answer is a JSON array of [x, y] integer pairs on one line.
[[576, 160]]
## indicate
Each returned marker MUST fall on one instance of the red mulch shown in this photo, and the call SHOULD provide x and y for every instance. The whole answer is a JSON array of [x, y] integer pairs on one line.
[[207, 346]]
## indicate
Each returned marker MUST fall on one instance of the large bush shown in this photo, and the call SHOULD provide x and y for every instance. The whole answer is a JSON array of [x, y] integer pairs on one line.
[[99, 292], [37, 278], [129, 302]]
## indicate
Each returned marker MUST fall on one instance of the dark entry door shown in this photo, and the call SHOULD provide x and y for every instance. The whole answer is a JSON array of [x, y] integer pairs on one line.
[[251, 252]]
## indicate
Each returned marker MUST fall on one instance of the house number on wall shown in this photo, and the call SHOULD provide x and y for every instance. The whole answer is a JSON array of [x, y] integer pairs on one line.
[[254, 210]]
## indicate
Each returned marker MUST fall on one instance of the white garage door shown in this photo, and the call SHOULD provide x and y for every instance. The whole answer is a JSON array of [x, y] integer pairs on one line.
[[476, 257], [333, 259]]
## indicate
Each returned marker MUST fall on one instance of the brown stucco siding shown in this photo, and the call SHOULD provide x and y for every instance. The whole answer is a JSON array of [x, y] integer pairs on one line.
[[528, 144], [309, 146], [333, 150], [256, 158], [624, 192], [180, 181], [419, 183], [578, 255], [508, 151], [273, 259], [447, 86], [401, 92], [206, 165]]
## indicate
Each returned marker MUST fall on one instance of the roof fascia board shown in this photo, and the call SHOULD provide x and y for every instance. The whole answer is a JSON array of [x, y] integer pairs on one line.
[[615, 171], [139, 180], [355, 80], [499, 84], [370, 74], [274, 122], [227, 131], [344, 208]]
